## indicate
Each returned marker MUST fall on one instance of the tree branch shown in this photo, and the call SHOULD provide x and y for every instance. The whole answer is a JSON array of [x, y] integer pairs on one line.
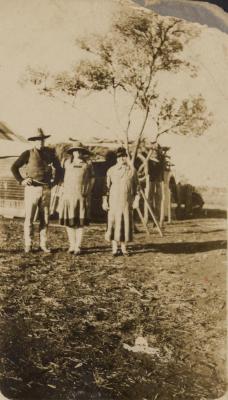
[[130, 112], [140, 134], [167, 130]]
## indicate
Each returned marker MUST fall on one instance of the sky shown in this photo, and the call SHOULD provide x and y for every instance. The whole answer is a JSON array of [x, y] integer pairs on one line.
[[42, 34], [221, 3]]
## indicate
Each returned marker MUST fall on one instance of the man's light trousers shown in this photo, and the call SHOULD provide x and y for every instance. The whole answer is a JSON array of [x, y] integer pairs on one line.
[[37, 202]]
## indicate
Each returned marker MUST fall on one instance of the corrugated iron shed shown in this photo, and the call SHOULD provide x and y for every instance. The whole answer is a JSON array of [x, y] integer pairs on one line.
[[11, 194]]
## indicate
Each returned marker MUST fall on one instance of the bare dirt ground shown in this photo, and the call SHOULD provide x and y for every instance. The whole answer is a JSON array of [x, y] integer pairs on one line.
[[148, 327]]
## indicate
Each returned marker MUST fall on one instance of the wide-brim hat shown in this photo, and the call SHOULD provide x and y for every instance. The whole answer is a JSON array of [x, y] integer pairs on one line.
[[78, 146], [121, 152], [165, 148], [40, 136]]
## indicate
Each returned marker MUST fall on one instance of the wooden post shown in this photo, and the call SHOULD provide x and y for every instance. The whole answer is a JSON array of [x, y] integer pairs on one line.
[[167, 194], [162, 202], [143, 221], [151, 212], [146, 197], [172, 192], [169, 205], [36, 214], [147, 194]]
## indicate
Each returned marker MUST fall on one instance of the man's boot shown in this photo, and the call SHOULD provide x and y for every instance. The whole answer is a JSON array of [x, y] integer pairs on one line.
[[71, 233], [114, 248], [28, 233], [43, 241]]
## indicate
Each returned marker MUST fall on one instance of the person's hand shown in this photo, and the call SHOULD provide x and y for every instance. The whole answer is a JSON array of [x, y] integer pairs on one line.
[[105, 205], [136, 202], [26, 182]]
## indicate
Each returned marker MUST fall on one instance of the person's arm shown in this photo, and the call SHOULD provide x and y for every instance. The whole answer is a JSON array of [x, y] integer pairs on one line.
[[92, 178], [105, 197], [19, 163], [136, 191], [59, 171]]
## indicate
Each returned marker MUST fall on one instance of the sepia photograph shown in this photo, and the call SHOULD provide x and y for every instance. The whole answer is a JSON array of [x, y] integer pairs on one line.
[[113, 199]]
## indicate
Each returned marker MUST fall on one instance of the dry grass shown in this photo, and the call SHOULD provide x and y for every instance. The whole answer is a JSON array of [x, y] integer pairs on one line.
[[65, 322]]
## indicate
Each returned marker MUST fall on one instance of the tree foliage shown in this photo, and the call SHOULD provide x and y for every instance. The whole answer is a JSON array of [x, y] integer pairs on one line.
[[132, 58], [188, 117]]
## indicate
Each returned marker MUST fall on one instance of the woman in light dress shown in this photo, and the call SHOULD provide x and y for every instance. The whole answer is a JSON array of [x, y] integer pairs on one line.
[[77, 184], [122, 195]]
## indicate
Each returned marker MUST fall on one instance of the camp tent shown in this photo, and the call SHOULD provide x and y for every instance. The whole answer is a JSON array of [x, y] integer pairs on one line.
[[11, 194], [6, 134]]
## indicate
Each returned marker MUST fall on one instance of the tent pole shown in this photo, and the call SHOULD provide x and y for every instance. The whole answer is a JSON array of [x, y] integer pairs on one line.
[[151, 212], [143, 221]]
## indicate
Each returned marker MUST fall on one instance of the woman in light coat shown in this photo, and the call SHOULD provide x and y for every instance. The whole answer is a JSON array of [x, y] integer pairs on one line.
[[73, 208], [122, 195]]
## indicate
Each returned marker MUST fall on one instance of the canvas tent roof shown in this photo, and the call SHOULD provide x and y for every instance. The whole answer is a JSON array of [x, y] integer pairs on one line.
[[10, 148], [11, 144], [7, 134]]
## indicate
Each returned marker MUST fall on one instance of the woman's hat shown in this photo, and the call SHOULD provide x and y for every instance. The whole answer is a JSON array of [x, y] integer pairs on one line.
[[121, 152], [41, 136], [78, 146]]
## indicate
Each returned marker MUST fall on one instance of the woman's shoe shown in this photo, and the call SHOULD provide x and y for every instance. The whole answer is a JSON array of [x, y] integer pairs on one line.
[[77, 252], [28, 249], [124, 250], [45, 249], [124, 253]]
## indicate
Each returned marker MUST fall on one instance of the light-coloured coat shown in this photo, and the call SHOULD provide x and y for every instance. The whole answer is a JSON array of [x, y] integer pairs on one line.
[[122, 185]]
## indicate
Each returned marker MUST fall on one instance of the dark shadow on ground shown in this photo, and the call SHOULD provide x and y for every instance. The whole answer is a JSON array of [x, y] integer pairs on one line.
[[85, 250], [35, 251], [11, 251], [97, 249], [214, 213], [167, 248], [183, 247], [189, 231], [181, 214]]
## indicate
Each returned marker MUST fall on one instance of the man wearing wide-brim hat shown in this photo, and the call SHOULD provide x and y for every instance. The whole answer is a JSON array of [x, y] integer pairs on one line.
[[77, 185], [37, 180]]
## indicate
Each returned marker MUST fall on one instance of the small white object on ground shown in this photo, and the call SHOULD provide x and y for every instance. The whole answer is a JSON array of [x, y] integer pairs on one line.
[[141, 346]]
